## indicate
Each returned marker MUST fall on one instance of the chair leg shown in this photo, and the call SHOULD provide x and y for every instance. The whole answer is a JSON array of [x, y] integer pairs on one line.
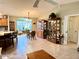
[[16, 40], [13, 42]]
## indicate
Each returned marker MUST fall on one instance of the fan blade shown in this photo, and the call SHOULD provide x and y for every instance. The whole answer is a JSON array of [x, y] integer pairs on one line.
[[36, 3], [52, 2]]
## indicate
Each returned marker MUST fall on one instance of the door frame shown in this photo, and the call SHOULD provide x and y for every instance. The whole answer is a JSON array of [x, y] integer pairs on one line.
[[65, 30]]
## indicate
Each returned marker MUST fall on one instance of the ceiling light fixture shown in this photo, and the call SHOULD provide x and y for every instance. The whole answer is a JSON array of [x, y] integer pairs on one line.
[[28, 14]]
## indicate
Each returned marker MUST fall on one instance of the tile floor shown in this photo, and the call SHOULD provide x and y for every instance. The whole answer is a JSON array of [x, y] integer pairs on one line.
[[26, 46]]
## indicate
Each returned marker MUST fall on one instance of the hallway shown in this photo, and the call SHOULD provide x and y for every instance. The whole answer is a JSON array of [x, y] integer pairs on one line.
[[26, 46]]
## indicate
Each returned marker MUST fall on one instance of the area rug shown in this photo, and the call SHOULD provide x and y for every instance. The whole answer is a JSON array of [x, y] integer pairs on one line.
[[41, 54]]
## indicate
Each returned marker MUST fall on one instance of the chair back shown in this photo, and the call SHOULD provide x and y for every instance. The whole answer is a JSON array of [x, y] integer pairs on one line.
[[33, 33], [1, 41]]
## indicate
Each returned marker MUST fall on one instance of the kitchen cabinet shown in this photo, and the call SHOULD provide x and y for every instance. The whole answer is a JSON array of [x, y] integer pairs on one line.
[[12, 25], [3, 22]]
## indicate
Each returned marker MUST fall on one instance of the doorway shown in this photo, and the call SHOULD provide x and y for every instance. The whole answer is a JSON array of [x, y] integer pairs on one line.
[[73, 28]]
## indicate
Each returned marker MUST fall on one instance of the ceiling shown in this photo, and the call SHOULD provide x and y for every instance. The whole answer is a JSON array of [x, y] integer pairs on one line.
[[65, 1], [22, 7]]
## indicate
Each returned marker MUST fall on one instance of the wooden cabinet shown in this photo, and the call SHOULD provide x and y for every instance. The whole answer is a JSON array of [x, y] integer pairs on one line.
[[3, 22], [0, 22], [55, 30], [12, 25], [42, 29], [40, 33]]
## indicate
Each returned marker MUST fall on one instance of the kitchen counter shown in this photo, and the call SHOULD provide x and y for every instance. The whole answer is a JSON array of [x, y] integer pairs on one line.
[[5, 32]]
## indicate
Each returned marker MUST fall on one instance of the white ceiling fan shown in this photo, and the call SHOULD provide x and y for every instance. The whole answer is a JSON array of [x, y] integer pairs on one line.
[[49, 1]]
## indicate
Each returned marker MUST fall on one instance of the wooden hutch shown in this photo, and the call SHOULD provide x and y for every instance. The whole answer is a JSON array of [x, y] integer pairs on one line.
[[54, 28]]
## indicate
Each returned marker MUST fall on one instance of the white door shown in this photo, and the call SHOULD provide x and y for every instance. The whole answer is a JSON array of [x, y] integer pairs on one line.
[[73, 28]]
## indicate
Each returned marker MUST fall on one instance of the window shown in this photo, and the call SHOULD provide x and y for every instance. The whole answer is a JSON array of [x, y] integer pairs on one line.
[[23, 24]]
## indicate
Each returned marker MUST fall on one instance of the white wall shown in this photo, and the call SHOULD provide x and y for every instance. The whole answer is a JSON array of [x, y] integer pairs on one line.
[[34, 26], [64, 12], [68, 9]]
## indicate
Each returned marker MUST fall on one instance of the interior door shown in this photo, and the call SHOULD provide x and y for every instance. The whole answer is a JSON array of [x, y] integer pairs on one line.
[[73, 29]]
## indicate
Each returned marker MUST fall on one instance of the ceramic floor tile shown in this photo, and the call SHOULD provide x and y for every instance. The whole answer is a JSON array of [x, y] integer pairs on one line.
[[26, 46]]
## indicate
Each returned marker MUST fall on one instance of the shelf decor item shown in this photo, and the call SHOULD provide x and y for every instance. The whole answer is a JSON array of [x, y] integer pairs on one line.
[[52, 16]]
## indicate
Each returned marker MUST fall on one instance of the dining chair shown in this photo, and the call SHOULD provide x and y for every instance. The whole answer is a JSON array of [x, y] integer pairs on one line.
[[8, 39], [2, 42]]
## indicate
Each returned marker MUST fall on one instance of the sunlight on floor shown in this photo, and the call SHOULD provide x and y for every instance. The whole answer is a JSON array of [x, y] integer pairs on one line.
[[22, 44]]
